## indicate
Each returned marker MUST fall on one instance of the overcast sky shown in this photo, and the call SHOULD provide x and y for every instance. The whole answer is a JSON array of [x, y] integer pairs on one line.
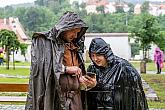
[[157, 0], [4, 3]]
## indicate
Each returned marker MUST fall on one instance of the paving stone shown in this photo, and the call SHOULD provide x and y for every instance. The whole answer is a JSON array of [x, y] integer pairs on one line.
[[22, 107], [11, 107], [150, 93]]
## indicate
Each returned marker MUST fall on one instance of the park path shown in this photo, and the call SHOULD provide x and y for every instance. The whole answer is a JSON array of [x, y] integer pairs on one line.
[[151, 95], [22, 107]]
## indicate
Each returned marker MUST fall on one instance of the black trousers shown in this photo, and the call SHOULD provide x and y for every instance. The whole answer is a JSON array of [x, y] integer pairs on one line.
[[158, 68]]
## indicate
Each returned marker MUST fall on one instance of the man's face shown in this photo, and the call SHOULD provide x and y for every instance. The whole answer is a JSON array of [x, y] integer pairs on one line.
[[70, 35], [99, 59]]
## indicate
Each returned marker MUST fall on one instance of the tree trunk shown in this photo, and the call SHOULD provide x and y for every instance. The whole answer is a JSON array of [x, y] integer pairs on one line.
[[25, 58], [7, 58], [13, 61], [143, 67], [143, 63]]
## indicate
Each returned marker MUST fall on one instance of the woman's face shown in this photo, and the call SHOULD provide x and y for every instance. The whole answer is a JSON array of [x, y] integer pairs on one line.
[[70, 35], [99, 59]]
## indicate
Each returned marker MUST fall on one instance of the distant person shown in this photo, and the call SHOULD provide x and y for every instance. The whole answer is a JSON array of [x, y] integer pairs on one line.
[[158, 59], [1, 58], [119, 85]]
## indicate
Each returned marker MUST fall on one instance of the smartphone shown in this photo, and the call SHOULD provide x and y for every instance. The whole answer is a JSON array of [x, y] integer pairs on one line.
[[90, 74]]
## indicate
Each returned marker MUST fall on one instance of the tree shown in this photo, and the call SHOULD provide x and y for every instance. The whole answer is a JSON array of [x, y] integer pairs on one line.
[[8, 11], [36, 19], [145, 7], [161, 41], [145, 31], [83, 5], [131, 10], [161, 21], [134, 49], [119, 9], [39, 2], [23, 48], [100, 9], [76, 5], [57, 6], [10, 43]]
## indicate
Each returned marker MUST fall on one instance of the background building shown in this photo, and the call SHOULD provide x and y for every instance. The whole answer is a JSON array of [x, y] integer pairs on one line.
[[13, 24]]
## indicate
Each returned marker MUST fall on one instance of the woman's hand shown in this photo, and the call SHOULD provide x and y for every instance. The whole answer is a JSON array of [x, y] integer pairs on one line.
[[74, 70], [90, 82]]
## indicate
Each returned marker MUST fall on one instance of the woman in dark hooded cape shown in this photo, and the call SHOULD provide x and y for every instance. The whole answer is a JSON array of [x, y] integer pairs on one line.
[[119, 85], [47, 53]]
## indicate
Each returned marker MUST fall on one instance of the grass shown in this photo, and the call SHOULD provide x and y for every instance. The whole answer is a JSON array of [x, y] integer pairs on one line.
[[13, 93], [14, 80], [149, 67], [17, 71], [19, 63], [13, 103], [154, 104], [157, 82]]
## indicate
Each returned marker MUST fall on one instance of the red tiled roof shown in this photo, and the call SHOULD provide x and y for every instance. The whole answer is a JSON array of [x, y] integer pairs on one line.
[[162, 6], [5, 27], [17, 29], [97, 2], [1, 21]]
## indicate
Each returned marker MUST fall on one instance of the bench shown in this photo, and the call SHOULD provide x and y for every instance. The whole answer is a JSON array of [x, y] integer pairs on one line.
[[13, 88]]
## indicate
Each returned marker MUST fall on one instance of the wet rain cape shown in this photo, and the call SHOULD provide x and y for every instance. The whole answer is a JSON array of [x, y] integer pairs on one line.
[[158, 59], [46, 64], [119, 86]]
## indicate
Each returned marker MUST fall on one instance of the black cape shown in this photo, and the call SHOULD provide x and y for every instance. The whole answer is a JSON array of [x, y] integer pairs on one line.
[[119, 86], [46, 64]]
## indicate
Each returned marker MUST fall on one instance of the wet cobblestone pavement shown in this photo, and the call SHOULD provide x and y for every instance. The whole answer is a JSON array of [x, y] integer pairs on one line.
[[22, 107], [12, 107]]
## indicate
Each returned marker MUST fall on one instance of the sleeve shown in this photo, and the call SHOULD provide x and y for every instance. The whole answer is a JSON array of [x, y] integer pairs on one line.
[[155, 58], [37, 72], [43, 83], [129, 93], [60, 68], [29, 100], [162, 56]]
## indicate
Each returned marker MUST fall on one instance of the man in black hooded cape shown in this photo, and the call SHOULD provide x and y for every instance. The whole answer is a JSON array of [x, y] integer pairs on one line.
[[47, 64], [119, 85]]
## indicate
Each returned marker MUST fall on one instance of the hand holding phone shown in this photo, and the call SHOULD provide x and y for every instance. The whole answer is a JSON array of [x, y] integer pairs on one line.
[[90, 74], [90, 79]]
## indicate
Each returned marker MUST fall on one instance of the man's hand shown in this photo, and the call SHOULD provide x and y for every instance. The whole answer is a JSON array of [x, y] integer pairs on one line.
[[74, 70]]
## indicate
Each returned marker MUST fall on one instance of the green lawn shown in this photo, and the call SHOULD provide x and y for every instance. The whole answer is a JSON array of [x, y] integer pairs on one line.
[[153, 104], [14, 80], [17, 71], [149, 67], [157, 82], [19, 63]]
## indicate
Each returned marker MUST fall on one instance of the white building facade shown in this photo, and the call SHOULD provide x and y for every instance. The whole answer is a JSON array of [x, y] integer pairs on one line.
[[119, 43]]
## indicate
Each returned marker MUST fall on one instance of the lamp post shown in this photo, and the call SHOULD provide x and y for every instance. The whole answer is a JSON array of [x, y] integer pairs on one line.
[[126, 9]]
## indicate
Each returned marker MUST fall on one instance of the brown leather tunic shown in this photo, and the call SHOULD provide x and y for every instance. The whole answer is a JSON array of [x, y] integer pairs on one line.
[[69, 84]]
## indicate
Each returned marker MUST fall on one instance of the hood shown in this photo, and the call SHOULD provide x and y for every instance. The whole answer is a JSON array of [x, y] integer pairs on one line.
[[99, 46], [69, 20], [157, 49]]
